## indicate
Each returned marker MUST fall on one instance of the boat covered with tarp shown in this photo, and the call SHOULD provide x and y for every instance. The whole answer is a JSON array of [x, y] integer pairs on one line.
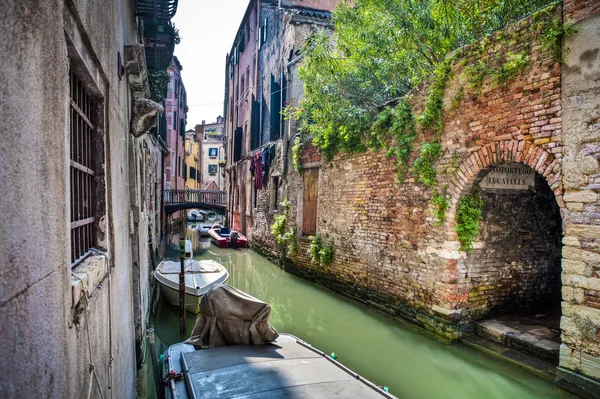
[[234, 352]]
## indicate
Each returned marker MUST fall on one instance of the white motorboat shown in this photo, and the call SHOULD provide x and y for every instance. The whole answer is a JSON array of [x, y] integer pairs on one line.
[[196, 215], [200, 276]]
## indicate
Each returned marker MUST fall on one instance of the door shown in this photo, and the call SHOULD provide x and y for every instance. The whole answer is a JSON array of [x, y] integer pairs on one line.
[[311, 179]]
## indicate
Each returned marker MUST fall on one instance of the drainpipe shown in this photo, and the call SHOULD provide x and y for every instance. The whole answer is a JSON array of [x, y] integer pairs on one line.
[[288, 138]]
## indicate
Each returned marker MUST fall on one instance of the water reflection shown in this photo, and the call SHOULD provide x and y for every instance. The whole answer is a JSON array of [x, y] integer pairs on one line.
[[380, 348]]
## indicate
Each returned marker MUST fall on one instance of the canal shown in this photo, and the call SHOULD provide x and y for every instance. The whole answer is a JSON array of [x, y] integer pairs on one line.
[[382, 349]]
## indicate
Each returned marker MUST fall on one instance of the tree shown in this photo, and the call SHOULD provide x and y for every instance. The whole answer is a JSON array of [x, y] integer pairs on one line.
[[379, 51]]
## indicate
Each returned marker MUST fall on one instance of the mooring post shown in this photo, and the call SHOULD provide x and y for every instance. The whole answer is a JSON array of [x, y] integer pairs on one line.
[[182, 287], [154, 357]]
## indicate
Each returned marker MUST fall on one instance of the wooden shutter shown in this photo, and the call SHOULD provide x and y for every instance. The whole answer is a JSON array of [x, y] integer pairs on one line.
[[311, 180]]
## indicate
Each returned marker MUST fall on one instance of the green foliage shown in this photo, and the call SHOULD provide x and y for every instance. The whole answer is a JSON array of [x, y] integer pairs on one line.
[[513, 65], [457, 99], [322, 253], [475, 74], [468, 214], [297, 149], [440, 201], [287, 238], [453, 167], [434, 104], [552, 33], [158, 82], [380, 51], [394, 129], [424, 166]]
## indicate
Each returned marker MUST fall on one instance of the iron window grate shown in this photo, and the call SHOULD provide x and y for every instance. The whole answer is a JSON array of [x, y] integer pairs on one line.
[[82, 176]]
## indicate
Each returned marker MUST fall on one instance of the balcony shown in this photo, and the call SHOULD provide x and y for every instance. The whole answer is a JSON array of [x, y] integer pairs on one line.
[[156, 9]]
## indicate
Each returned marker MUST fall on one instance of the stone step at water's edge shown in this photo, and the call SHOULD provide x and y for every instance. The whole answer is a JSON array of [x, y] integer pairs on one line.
[[534, 344], [539, 367]]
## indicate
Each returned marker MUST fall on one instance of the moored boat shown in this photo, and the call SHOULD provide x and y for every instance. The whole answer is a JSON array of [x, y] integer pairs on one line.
[[223, 237], [196, 215], [200, 276], [233, 351]]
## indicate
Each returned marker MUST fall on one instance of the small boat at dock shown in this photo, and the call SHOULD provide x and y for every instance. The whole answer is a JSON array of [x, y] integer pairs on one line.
[[199, 277], [223, 237]]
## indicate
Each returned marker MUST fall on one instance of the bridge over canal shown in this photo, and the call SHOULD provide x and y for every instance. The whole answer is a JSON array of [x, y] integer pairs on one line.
[[176, 200]]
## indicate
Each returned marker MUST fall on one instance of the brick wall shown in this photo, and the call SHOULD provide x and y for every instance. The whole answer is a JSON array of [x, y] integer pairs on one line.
[[390, 252]]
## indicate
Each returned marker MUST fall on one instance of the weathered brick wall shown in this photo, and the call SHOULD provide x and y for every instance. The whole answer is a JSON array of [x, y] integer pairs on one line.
[[389, 251], [391, 254]]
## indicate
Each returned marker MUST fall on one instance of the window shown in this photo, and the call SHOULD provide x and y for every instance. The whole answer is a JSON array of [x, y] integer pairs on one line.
[[83, 173], [175, 120], [213, 152], [178, 165], [192, 173], [243, 86], [212, 169], [263, 34], [248, 78], [184, 171]]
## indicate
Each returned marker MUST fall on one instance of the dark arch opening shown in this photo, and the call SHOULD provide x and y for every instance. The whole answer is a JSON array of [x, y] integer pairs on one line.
[[515, 269]]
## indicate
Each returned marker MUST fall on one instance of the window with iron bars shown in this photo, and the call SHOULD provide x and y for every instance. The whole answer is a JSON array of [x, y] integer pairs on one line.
[[83, 109]]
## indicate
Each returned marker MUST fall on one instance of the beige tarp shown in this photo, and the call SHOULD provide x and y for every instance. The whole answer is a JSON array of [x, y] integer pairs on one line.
[[229, 316]]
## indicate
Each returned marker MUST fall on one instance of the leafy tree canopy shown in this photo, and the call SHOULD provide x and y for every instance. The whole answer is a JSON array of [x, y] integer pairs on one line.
[[379, 51]]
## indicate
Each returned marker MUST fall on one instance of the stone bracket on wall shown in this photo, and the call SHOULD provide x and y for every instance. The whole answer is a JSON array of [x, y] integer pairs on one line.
[[137, 75], [145, 114], [145, 111]]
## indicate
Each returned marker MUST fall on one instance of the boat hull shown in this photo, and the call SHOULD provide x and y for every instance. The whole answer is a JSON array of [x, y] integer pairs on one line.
[[197, 282], [225, 242], [192, 302]]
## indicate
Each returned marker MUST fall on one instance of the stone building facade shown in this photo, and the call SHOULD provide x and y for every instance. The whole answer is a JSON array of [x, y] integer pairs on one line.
[[212, 137], [79, 234], [193, 160], [537, 245], [176, 115], [273, 33]]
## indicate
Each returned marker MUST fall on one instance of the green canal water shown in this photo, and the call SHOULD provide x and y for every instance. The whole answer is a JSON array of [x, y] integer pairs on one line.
[[380, 348]]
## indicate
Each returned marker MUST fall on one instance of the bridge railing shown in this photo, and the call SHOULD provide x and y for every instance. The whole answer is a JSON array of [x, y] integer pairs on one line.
[[216, 197]]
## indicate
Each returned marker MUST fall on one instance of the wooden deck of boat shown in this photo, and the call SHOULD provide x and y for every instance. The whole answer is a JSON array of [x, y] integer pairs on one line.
[[286, 368]]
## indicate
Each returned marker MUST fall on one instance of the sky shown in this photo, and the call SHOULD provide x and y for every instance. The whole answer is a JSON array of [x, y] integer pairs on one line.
[[207, 29]]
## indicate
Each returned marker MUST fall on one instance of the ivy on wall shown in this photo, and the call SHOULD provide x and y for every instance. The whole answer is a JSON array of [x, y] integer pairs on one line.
[[286, 236], [359, 84], [468, 214], [322, 250]]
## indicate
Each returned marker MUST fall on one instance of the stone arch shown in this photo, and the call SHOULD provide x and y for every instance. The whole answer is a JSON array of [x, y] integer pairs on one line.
[[479, 162], [481, 270]]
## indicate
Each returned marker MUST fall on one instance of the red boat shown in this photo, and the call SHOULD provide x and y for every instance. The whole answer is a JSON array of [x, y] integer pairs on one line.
[[223, 237]]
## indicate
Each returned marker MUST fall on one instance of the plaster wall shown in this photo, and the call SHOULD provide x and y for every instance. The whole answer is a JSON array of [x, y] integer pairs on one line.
[[54, 321]]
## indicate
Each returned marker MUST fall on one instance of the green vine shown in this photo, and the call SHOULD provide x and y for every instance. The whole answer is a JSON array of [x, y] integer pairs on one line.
[[513, 65], [297, 149], [553, 31], [440, 201], [395, 128], [158, 82], [468, 214], [287, 238], [322, 253]]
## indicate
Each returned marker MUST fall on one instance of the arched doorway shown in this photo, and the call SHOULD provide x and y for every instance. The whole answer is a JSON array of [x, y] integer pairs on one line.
[[517, 253], [513, 274]]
